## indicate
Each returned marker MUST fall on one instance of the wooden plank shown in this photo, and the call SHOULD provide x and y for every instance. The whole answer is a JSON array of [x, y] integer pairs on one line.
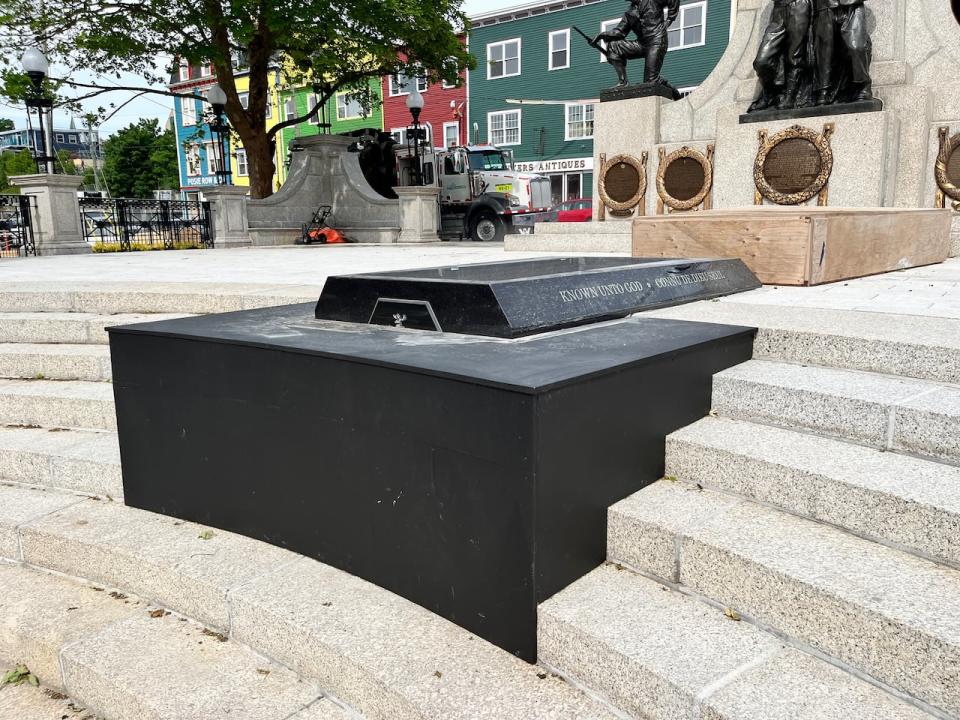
[[775, 249]]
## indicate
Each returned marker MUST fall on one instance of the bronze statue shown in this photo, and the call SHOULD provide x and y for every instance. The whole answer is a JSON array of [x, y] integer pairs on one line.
[[814, 52], [644, 18]]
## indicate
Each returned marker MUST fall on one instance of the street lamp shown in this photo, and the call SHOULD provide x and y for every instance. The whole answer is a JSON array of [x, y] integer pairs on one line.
[[35, 65], [415, 105], [220, 130]]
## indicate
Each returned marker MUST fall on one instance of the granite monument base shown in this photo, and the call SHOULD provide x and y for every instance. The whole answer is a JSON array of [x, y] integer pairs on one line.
[[774, 113], [469, 474], [640, 90]]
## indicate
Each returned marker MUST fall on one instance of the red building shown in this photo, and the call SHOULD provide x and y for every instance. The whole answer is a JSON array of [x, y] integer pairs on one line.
[[444, 111]]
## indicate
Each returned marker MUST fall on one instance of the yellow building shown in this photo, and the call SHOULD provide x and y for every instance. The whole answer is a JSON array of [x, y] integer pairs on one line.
[[238, 157]]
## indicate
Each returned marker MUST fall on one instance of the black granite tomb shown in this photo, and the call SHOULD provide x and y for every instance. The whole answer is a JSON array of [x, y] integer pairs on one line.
[[521, 297], [469, 474]]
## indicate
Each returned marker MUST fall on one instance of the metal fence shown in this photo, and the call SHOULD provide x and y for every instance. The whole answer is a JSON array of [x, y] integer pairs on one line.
[[17, 217], [138, 224]]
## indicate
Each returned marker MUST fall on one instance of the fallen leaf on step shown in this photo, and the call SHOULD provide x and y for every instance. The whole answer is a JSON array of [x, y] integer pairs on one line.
[[732, 614], [206, 535]]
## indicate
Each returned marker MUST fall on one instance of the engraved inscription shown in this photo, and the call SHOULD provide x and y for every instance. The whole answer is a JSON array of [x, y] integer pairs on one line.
[[683, 178], [792, 165], [611, 289], [622, 182], [953, 166]]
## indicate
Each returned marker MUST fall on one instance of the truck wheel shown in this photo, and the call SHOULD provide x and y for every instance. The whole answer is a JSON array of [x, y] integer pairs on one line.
[[486, 227]]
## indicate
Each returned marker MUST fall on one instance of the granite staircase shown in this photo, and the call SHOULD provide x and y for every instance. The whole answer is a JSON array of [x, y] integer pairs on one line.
[[801, 556]]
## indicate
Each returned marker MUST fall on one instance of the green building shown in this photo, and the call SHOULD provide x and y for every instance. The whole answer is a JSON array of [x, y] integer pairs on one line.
[[536, 79], [345, 112]]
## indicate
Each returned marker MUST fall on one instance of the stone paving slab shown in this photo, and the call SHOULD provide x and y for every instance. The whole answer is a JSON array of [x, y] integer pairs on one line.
[[41, 613], [55, 362], [888, 613], [930, 424], [389, 658], [78, 328], [25, 702], [58, 403], [20, 506], [76, 460], [156, 557], [185, 672], [895, 498]]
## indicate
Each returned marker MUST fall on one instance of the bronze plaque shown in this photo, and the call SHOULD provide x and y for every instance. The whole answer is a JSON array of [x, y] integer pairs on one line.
[[792, 165], [622, 182], [684, 178], [953, 166]]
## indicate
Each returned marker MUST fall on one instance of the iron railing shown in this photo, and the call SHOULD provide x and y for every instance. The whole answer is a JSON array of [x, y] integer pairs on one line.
[[17, 217], [128, 222]]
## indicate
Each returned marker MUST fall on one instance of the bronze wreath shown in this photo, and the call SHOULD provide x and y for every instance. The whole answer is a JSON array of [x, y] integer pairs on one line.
[[684, 152], [640, 166], [821, 141]]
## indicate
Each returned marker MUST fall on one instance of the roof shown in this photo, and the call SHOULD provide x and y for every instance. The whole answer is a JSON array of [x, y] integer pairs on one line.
[[519, 12]]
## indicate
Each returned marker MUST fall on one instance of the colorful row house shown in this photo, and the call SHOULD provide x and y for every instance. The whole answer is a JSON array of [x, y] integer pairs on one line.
[[533, 90]]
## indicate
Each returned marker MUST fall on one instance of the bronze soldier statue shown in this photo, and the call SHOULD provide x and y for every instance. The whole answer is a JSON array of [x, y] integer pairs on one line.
[[780, 58], [645, 19], [846, 19]]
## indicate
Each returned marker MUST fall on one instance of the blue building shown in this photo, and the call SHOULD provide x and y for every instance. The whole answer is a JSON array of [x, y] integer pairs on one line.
[[81, 145], [195, 155]]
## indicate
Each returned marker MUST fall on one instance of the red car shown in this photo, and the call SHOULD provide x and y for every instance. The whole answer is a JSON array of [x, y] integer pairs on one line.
[[577, 210]]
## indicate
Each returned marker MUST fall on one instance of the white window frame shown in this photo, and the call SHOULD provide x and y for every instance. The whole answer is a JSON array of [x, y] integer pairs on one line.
[[205, 70], [243, 165], [395, 89], [456, 129], [72, 139], [290, 102], [400, 135], [678, 24], [191, 104], [447, 86], [59, 138], [184, 73], [244, 99], [211, 159], [490, 46], [347, 107], [566, 121], [268, 112], [604, 26], [550, 49], [193, 150], [491, 115], [312, 101]]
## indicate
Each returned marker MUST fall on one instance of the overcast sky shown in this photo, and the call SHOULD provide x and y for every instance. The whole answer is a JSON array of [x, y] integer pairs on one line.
[[159, 106]]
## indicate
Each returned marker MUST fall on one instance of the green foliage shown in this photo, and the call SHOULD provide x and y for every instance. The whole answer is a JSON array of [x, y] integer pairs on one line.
[[20, 674], [112, 247], [140, 159], [6, 124], [11, 164]]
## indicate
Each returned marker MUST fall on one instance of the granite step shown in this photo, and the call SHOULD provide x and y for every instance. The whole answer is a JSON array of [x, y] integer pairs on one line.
[[56, 403], [26, 702], [895, 499], [82, 461], [656, 653], [43, 361], [883, 612], [882, 411], [908, 345], [376, 651], [73, 328], [89, 643]]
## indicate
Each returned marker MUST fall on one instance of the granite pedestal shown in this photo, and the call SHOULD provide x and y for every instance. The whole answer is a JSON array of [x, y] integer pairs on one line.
[[469, 474]]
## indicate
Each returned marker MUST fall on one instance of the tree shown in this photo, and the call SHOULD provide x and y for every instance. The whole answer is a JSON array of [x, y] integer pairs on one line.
[[335, 45], [11, 164], [6, 124], [140, 159]]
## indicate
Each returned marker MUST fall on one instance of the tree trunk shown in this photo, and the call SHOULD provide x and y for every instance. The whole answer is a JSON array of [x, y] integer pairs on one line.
[[260, 158]]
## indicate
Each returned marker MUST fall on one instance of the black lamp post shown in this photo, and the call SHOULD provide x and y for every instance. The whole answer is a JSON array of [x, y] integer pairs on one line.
[[415, 105], [220, 130], [35, 65]]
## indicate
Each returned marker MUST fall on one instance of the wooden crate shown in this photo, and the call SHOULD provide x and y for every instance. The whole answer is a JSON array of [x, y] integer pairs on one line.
[[801, 245]]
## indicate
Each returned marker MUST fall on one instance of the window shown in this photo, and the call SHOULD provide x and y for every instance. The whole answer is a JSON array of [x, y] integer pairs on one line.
[[504, 127], [184, 70], [312, 102], [348, 106], [212, 164], [503, 59], [59, 138], [289, 109], [242, 168], [244, 100], [400, 84], [269, 111], [451, 134], [193, 160], [400, 135], [72, 139], [689, 29], [188, 111], [579, 123], [205, 71], [604, 27], [559, 50]]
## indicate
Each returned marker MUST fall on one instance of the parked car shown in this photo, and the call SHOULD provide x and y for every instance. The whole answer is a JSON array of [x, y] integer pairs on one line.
[[575, 210]]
